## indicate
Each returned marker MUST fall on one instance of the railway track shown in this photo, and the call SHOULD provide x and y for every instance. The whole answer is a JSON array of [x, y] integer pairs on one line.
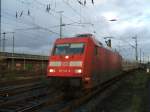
[[16, 89], [12, 94], [52, 100], [28, 96], [102, 90], [19, 81], [70, 105], [10, 88], [30, 100]]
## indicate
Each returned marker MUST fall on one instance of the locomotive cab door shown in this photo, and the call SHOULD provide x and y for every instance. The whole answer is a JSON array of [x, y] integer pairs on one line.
[[96, 61]]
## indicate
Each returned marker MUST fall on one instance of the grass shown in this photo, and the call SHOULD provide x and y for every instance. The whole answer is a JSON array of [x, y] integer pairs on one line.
[[131, 95], [136, 103], [139, 92]]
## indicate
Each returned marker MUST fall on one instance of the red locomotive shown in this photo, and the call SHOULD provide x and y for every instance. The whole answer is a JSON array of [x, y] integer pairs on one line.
[[82, 61]]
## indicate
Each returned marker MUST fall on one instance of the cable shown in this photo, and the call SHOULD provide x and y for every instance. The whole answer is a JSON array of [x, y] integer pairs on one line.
[[17, 20], [54, 11], [73, 9], [40, 27]]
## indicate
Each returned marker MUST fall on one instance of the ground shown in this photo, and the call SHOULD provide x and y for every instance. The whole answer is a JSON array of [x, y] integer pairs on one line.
[[131, 96]]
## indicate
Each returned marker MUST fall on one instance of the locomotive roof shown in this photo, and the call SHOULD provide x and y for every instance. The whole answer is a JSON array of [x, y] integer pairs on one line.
[[98, 43], [82, 37]]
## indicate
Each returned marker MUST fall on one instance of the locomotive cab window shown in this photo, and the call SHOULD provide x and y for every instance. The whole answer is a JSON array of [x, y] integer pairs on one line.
[[69, 49]]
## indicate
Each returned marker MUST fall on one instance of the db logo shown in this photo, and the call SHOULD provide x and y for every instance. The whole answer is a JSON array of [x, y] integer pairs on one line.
[[65, 63]]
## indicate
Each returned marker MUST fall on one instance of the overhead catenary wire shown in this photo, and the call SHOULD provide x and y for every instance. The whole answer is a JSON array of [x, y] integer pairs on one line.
[[12, 18], [49, 28], [41, 27], [79, 14], [53, 10], [23, 21], [63, 15]]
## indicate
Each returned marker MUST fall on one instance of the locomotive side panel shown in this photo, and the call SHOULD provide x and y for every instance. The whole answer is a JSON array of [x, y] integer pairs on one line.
[[96, 67], [108, 65]]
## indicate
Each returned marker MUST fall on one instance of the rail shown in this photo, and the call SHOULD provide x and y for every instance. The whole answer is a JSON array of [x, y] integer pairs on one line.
[[54, 100]]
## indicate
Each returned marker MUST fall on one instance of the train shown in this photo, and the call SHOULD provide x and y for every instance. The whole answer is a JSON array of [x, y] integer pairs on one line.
[[83, 62]]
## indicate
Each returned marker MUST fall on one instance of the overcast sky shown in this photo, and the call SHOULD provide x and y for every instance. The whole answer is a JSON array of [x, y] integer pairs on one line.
[[36, 29]]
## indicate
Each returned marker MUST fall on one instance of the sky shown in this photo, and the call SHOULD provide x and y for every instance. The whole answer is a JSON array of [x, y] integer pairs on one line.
[[36, 28]]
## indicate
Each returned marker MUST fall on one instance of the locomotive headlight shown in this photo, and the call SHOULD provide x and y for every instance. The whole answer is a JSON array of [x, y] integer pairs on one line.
[[66, 57], [78, 71], [51, 70]]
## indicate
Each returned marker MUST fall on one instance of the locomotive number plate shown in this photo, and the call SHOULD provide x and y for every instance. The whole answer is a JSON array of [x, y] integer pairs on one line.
[[64, 70], [65, 64]]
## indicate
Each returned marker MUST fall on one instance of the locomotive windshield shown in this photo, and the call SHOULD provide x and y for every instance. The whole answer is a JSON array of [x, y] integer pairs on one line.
[[69, 49]]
